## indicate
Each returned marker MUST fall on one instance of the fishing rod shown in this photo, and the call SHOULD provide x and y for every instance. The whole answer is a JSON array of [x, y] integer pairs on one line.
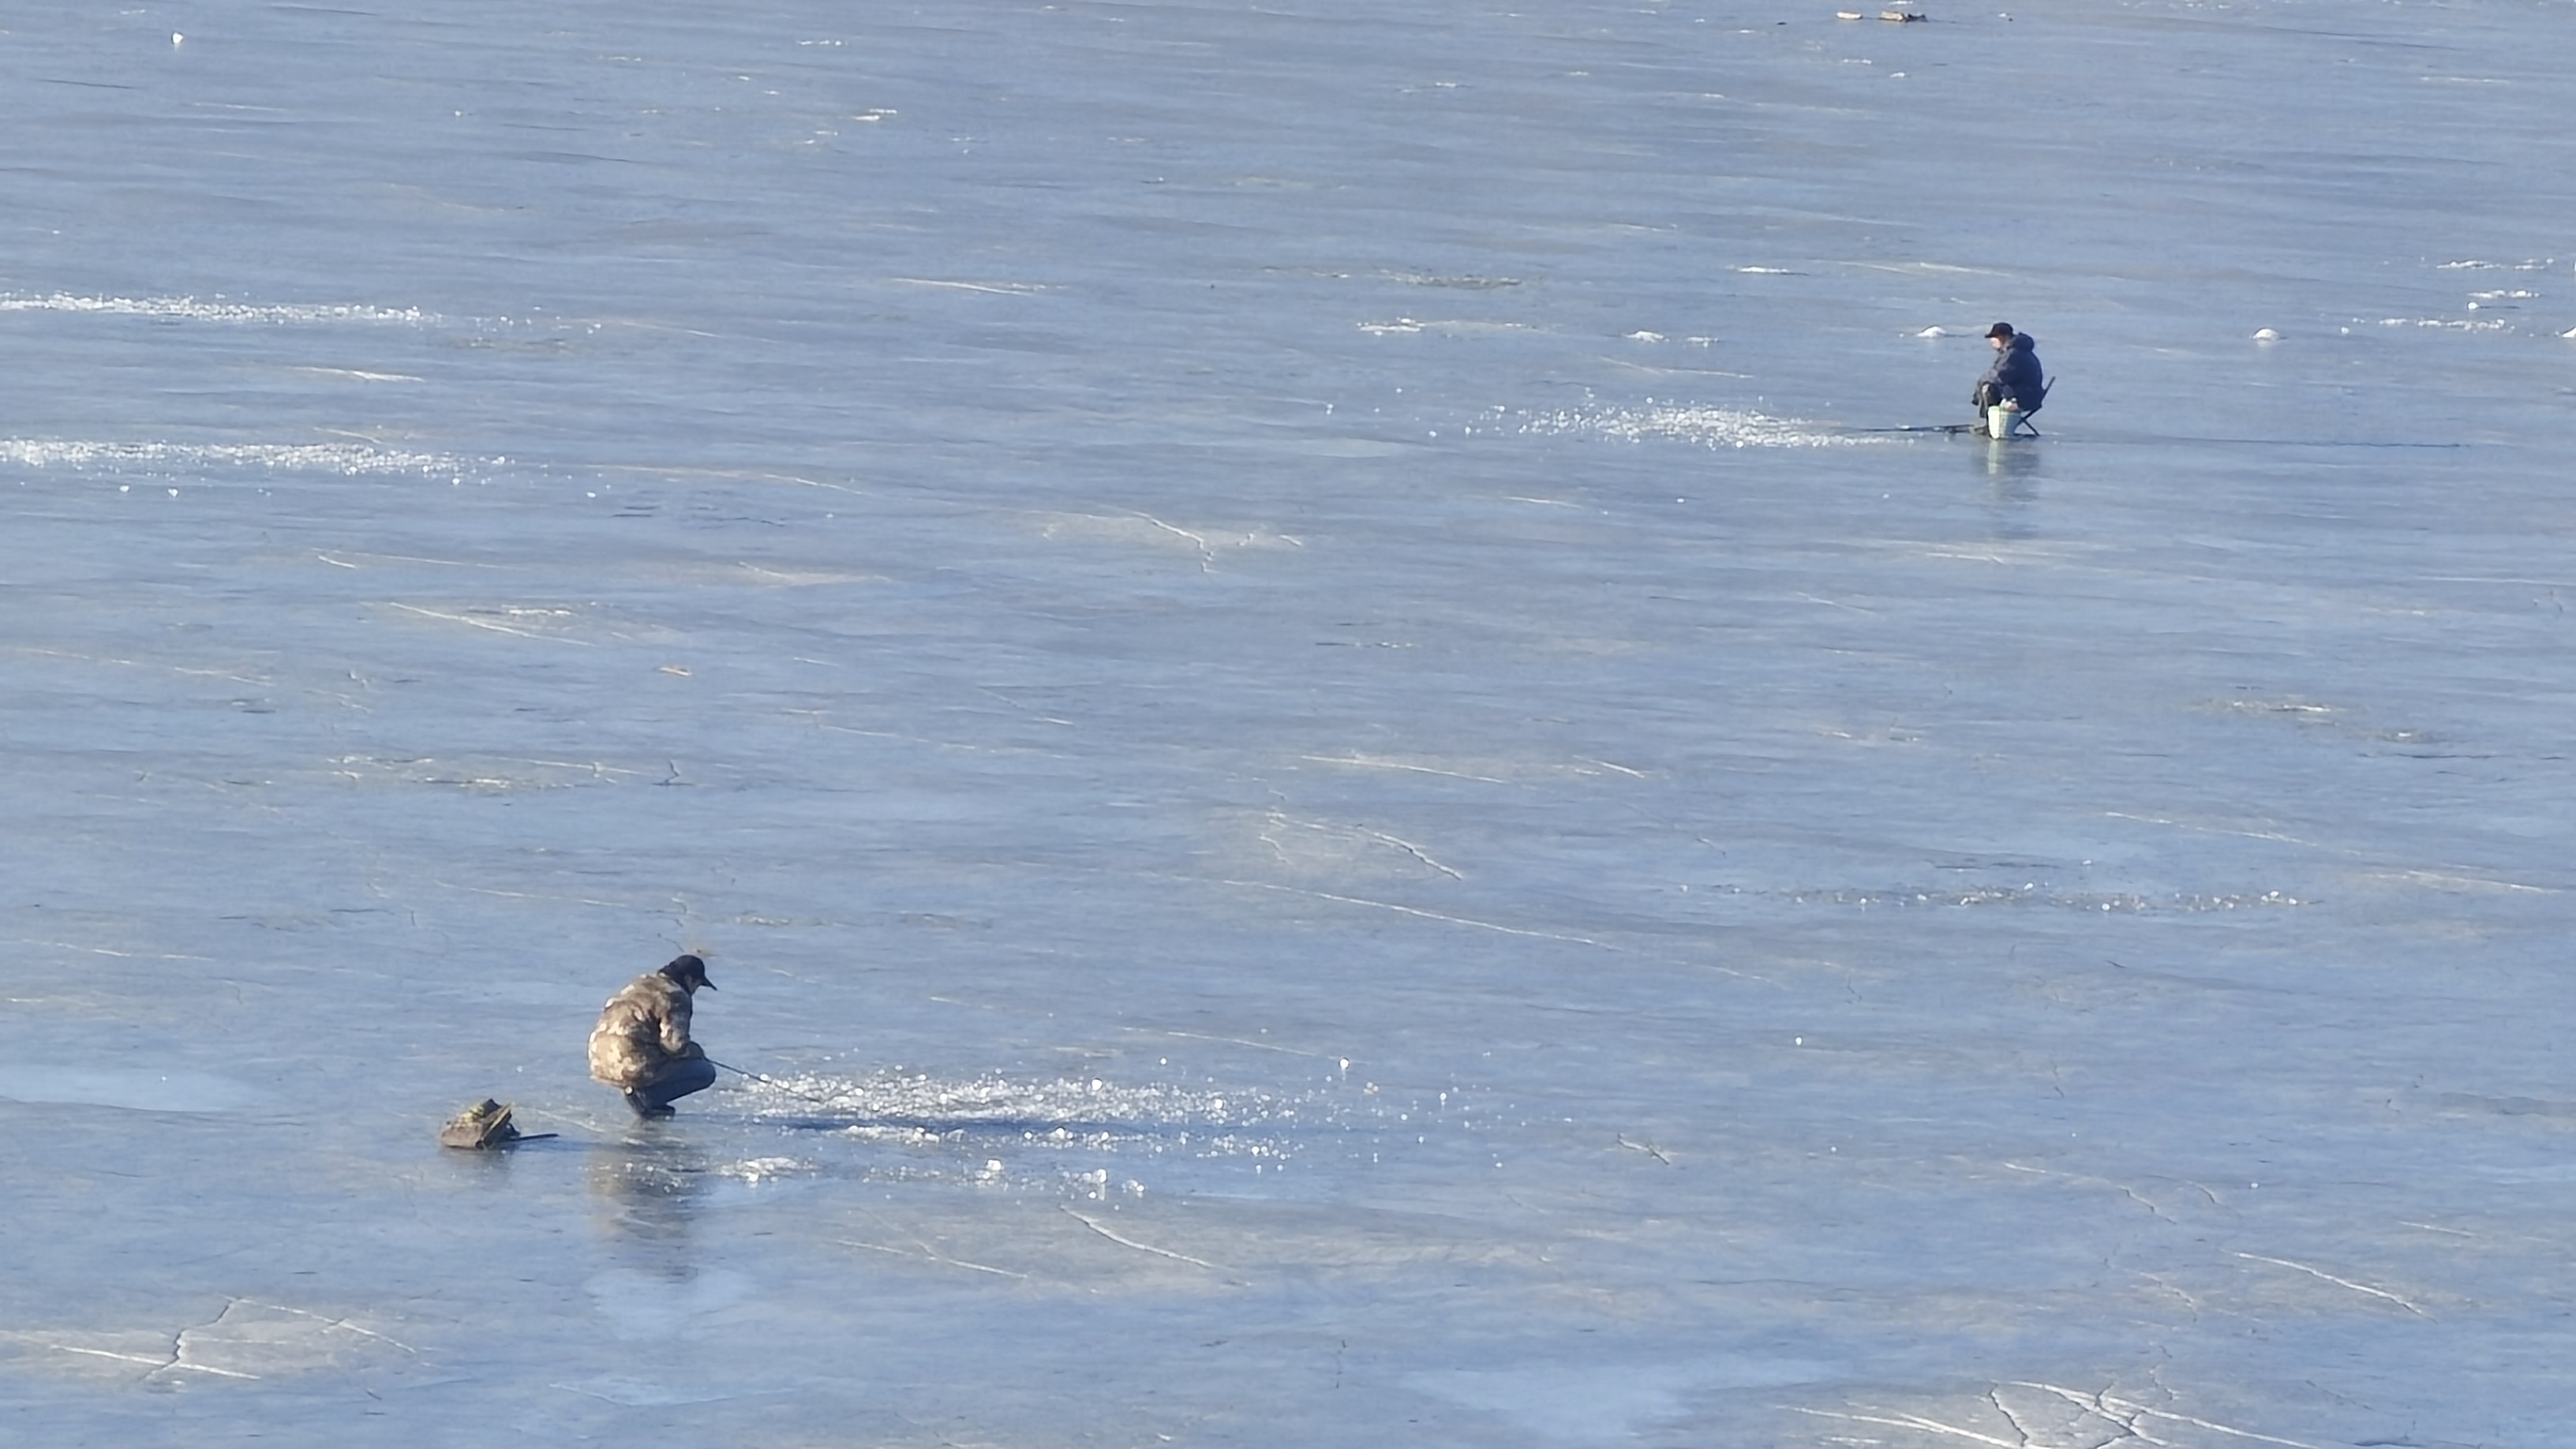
[[771, 1082], [1956, 429]]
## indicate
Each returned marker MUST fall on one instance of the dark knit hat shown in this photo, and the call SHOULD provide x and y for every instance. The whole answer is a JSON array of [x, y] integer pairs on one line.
[[690, 972]]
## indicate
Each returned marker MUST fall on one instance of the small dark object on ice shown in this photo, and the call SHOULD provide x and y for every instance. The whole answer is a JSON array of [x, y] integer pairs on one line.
[[1901, 17], [485, 1124]]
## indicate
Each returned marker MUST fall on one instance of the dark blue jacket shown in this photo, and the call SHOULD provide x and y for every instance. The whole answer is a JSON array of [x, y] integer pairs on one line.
[[2015, 374]]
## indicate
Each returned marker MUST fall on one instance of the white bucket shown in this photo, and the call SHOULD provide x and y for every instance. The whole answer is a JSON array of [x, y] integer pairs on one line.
[[1999, 422]]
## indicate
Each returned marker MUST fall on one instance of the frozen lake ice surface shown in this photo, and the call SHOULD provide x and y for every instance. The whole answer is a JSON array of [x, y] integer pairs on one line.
[[1339, 796]]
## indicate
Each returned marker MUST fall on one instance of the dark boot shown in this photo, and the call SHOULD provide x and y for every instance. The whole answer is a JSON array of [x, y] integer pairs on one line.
[[678, 1077]]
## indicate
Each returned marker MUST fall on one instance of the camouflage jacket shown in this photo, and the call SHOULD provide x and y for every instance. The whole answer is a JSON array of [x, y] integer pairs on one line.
[[641, 1030]]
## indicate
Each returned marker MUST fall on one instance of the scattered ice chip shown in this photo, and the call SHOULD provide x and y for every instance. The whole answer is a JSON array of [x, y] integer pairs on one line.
[[2267, 334], [1933, 332], [762, 1169]]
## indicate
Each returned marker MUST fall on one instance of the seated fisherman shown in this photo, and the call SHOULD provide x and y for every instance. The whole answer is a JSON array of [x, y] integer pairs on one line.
[[641, 1045], [2013, 379]]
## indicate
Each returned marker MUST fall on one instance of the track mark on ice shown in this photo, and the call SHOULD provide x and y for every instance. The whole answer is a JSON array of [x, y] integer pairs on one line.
[[1367, 763], [157, 1365], [2110, 1408], [1207, 556], [1917, 1421], [2083, 1180], [1409, 848], [2435, 1228], [1229, 1040], [1279, 820], [179, 669], [922, 1249], [361, 376], [488, 624], [2441, 881], [532, 896], [1096, 1226], [336, 559], [104, 951], [2338, 1282], [2102, 1418], [2198, 829], [1417, 911], [998, 289]]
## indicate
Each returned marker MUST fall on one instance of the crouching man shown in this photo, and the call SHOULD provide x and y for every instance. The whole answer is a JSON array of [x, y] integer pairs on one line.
[[641, 1045]]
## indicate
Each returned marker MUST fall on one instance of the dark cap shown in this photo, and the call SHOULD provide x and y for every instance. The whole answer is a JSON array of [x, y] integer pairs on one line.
[[2000, 329], [689, 971]]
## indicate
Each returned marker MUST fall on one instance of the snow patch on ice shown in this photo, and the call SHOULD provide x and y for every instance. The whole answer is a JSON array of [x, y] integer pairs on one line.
[[1066, 1110], [1710, 427], [2033, 895], [2447, 324], [1405, 326], [158, 459], [192, 309], [1469, 283]]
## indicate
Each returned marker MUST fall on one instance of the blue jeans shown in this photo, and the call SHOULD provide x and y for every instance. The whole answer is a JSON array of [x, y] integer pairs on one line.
[[653, 1096]]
